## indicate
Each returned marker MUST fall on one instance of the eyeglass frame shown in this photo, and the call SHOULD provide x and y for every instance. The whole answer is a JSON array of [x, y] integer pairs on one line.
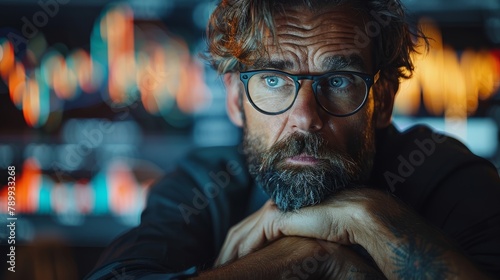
[[367, 78]]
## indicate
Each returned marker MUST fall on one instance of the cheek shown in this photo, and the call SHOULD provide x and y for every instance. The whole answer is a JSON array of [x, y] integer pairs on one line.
[[363, 122], [261, 126], [349, 133], [364, 125]]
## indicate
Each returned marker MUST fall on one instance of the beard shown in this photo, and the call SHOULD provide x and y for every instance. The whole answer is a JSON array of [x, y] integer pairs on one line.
[[293, 186]]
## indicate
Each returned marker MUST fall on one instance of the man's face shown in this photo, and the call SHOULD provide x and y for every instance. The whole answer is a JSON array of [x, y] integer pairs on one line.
[[305, 155]]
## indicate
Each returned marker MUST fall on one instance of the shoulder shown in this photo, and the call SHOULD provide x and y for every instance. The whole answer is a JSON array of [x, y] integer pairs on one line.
[[420, 149], [413, 163], [209, 162], [207, 167], [214, 156], [419, 139]]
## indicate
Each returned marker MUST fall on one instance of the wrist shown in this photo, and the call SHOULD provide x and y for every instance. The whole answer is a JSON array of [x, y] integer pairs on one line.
[[359, 211], [372, 218], [368, 231]]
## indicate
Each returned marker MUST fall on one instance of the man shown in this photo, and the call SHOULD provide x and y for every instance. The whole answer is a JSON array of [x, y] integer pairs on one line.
[[345, 195]]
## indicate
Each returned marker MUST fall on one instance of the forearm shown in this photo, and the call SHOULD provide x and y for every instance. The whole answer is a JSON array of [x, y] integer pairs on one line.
[[400, 242], [263, 264], [406, 247], [258, 265], [298, 258], [251, 268], [275, 261], [424, 260]]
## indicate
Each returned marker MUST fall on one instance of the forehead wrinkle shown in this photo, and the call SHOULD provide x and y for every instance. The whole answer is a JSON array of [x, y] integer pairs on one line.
[[294, 20], [294, 58], [317, 41], [294, 17], [336, 34], [295, 25], [306, 41]]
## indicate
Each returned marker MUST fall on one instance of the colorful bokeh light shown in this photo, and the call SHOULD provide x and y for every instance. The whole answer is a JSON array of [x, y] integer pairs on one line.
[[126, 63]]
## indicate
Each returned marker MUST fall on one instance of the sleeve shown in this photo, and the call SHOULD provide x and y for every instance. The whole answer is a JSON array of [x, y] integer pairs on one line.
[[467, 207], [183, 225], [173, 235], [448, 186]]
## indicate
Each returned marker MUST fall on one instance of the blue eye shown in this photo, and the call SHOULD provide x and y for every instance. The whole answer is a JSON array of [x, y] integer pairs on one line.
[[274, 81], [339, 82]]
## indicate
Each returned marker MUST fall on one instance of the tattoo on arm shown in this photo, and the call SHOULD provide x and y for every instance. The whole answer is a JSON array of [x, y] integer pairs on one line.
[[419, 259], [420, 251]]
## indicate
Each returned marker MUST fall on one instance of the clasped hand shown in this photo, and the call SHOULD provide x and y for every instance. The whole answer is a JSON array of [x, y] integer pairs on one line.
[[343, 219]]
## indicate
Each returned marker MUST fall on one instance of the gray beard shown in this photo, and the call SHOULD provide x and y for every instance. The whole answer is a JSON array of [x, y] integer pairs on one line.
[[292, 187]]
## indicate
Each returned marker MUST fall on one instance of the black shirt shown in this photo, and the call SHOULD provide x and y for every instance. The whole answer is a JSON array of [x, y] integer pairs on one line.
[[190, 211]]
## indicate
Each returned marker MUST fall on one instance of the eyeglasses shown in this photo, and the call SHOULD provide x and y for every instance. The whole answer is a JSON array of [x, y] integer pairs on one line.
[[340, 93]]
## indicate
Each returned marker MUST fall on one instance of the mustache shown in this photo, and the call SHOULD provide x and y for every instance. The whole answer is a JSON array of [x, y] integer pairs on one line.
[[298, 143], [301, 143]]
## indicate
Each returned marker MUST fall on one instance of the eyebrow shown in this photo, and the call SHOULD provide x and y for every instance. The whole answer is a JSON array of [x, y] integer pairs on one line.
[[339, 62], [278, 64], [330, 63]]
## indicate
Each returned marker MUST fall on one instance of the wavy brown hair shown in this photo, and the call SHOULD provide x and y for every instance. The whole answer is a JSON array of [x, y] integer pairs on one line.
[[237, 30]]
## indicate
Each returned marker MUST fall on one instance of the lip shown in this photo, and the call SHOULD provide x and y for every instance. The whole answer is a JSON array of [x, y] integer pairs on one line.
[[303, 159]]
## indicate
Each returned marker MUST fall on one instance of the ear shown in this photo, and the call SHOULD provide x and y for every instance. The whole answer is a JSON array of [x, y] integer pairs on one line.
[[234, 110], [384, 109]]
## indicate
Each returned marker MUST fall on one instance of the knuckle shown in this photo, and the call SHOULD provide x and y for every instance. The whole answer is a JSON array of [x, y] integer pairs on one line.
[[241, 250], [233, 231]]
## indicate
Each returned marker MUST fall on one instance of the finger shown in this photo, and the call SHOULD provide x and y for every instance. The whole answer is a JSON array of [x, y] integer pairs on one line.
[[333, 224], [226, 254], [262, 232], [237, 234], [253, 242]]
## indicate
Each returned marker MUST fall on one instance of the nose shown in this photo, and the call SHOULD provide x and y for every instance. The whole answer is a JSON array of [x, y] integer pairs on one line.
[[304, 115]]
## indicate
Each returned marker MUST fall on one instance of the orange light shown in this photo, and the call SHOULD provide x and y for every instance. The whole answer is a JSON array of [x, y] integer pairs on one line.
[[487, 77], [27, 187], [408, 99], [16, 78], [154, 79], [147, 84], [64, 80], [122, 189], [120, 38], [7, 59], [83, 69], [163, 73], [449, 84], [31, 103], [193, 94]]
